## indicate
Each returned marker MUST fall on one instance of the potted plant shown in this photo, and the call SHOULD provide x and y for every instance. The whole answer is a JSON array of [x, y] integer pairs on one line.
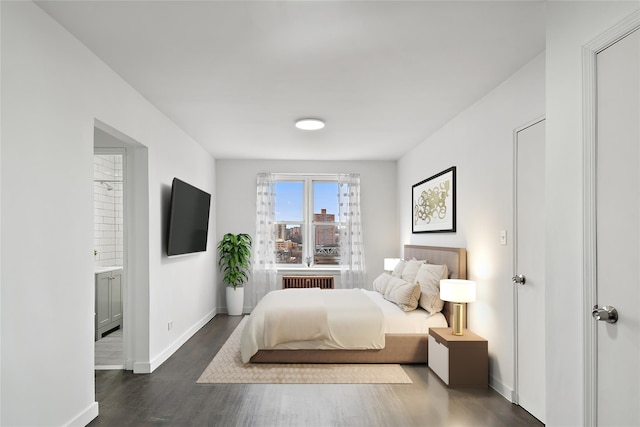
[[234, 251]]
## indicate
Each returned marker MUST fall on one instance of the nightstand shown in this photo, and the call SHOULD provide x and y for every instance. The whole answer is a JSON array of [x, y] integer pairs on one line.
[[459, 361]]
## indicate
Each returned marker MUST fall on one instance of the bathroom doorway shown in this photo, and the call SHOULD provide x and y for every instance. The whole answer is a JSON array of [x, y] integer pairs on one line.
[[134, 275], [109, 256]]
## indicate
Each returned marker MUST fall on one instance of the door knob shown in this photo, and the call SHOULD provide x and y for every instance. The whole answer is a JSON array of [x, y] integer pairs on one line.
[[607, 313], [519, 279]]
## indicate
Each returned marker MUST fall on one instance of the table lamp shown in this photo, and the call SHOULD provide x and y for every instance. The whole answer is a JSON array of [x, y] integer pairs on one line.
[[458, 292], [390, 263]]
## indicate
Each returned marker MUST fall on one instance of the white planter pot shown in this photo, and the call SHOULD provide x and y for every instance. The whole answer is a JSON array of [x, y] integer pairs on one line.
[[235, 301]]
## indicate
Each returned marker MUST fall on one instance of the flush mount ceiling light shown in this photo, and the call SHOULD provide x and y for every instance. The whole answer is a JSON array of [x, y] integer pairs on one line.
[[309, 124]]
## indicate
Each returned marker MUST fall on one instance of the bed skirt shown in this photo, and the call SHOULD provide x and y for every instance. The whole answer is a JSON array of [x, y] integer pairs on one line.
[[399, 348]]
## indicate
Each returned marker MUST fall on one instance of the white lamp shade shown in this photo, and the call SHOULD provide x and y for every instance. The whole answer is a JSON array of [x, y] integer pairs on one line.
[[390, 263], [456, 290]]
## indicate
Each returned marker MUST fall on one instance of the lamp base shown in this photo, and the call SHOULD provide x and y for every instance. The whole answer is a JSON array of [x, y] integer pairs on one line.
[[458, 319]]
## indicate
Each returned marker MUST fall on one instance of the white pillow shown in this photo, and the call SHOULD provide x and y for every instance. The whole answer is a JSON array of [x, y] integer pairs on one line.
[[428, 277], [397, 271], [393, 282], [402, 293], [380, 283], [411, 269]]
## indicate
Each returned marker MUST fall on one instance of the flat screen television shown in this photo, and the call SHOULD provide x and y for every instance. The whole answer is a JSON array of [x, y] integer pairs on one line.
[[188, 219]]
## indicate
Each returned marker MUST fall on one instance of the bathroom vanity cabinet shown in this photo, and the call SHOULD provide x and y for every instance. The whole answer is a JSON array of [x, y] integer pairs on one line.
[[108, 301]]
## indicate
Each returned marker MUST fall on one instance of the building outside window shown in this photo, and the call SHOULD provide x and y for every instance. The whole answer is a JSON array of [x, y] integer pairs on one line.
[[306, 227]]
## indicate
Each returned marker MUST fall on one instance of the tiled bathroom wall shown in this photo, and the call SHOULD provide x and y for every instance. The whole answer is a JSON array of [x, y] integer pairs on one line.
[[108, 210]]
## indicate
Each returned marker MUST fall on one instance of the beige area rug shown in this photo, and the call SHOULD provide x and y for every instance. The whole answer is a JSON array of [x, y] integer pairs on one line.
[[227, 367]]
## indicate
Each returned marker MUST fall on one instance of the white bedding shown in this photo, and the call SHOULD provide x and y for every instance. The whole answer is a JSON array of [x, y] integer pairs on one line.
[[397, 321], [376, 318], [282, 322]]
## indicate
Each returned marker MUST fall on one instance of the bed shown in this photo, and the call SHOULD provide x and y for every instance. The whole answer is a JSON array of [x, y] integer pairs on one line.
[[398, 345]]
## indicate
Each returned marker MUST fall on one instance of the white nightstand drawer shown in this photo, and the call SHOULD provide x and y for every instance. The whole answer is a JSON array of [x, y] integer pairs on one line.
[[439, 359]]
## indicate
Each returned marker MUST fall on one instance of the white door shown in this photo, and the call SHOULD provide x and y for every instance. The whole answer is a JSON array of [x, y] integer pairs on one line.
[[618, 232], [529, 263]]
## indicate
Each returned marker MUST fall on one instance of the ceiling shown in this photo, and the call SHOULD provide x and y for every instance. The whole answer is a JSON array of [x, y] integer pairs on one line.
[[235, 75]]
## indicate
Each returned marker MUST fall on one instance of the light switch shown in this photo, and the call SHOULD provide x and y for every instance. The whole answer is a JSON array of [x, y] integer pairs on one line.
[[503, 237]]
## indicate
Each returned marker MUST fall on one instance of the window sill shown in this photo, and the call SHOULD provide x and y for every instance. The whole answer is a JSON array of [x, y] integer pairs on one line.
[[332, 269]]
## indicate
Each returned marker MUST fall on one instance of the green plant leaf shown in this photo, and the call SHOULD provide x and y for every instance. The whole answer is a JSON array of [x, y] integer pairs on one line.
[[234, 251]]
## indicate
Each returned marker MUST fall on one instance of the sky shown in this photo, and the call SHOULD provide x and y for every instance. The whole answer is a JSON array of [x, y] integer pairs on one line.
[[289, 199]]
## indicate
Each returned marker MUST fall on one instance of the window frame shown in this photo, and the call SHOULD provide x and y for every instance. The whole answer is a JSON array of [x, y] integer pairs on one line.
[[308, 224]]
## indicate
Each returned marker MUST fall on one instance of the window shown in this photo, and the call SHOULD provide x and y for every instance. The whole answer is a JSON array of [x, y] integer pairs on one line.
[[307, 220]]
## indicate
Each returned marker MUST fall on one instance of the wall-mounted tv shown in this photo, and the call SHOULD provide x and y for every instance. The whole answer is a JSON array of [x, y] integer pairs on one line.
[[188, 219]]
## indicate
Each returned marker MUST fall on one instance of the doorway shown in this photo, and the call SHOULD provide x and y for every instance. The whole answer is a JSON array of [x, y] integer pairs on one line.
[[529, 277], [109, 255], [135, 243]]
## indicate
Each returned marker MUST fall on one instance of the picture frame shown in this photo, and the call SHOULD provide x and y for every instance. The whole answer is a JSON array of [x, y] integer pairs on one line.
[[433, 203]]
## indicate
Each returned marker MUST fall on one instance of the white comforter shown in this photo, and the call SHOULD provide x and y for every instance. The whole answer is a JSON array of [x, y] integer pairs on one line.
[[282, 321], [341, 319]]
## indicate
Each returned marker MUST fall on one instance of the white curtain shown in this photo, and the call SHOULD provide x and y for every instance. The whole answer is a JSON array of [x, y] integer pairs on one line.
[[264, 257], [353, 274]]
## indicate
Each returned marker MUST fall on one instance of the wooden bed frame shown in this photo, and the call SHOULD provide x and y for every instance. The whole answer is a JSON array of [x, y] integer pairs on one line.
[[399, 348]]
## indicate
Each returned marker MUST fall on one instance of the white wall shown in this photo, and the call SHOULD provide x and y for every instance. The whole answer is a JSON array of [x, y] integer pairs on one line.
[[236, 199], [0, 217], [53, 90], [479, 142], [571, 25]]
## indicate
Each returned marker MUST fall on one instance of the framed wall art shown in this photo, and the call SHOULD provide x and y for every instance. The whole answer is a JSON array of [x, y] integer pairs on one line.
[[433, 203]]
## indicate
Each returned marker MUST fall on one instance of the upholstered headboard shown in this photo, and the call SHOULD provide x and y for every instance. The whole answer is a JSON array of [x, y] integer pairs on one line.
[[454, 258]]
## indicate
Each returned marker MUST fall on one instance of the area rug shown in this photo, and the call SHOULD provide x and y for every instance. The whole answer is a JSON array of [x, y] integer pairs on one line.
[[227, 368]]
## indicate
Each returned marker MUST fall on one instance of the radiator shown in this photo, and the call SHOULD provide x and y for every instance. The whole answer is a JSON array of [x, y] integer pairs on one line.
[[322, 282]]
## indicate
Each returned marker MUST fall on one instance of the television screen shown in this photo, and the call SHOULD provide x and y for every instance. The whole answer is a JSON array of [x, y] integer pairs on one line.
[[188, 219]]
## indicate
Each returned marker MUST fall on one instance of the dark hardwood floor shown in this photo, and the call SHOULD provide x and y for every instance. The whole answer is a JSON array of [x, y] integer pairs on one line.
[[171, 397]]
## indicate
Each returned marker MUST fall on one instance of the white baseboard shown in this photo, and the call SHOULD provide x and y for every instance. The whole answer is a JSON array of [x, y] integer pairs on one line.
[[245, 310], [505, 391], [141, 367], [85, 417], [149, 367], [109, 367]]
